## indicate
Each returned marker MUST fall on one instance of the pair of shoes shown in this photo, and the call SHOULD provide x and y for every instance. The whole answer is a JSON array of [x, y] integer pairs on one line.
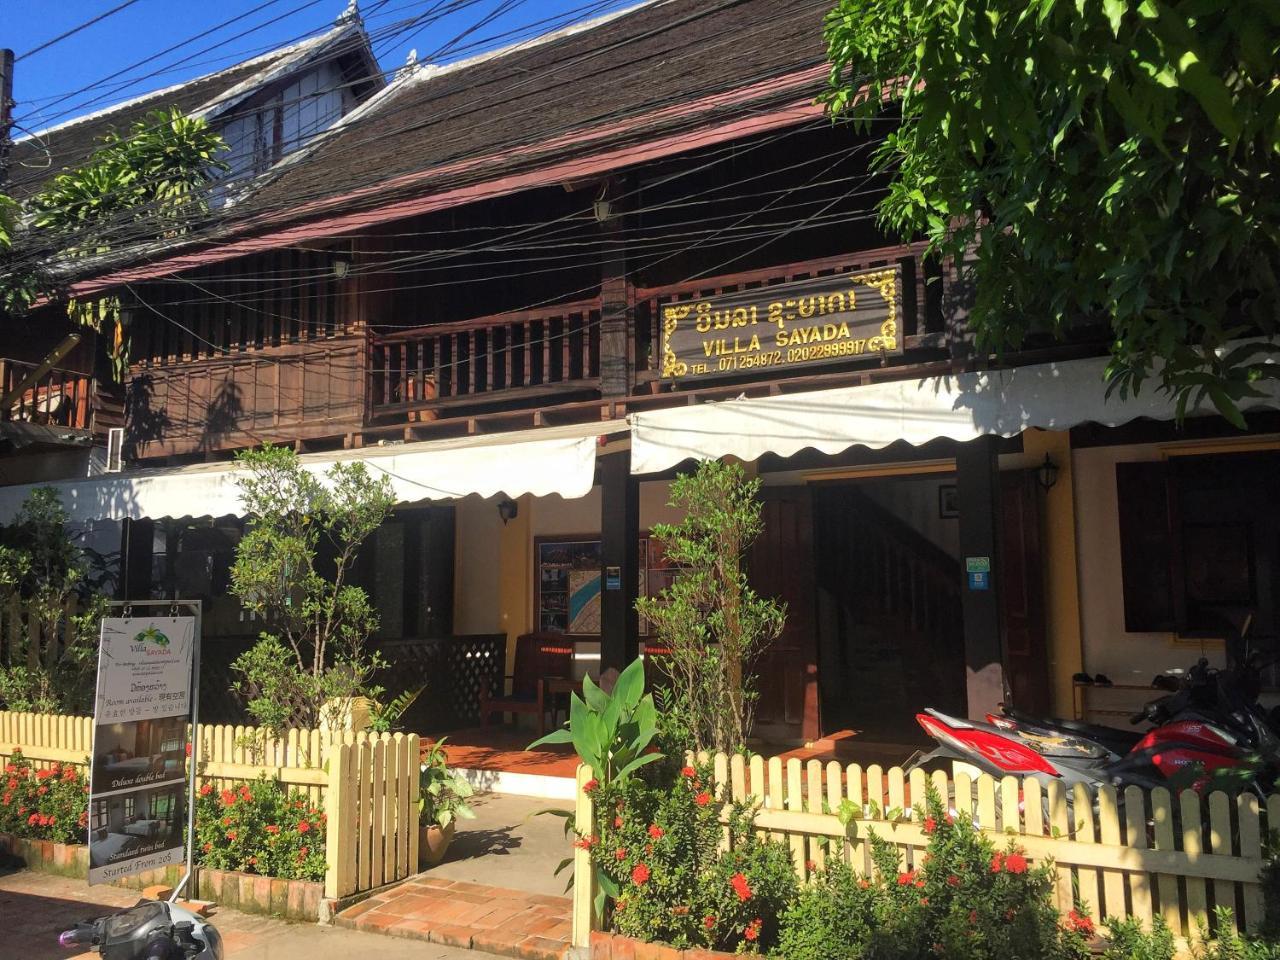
[[1100, 680]]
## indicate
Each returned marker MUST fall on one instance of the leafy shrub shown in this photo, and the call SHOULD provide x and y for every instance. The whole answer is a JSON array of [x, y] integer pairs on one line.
[[830, 916], [47, 804], [1130, 941], [46, 575], [659, 848], [311, 662], [966, 899], [261, 828], [1232, 946], [714, 623]]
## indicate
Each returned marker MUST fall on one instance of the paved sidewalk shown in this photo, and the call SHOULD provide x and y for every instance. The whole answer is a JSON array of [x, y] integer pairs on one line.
[[512, 923], [36, 907]]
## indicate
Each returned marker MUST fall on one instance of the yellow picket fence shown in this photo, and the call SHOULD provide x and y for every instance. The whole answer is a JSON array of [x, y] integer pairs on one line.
[[1129, 854], [367, 783]]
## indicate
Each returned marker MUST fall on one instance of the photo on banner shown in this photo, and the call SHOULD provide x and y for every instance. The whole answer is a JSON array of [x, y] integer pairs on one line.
[[138, 777]]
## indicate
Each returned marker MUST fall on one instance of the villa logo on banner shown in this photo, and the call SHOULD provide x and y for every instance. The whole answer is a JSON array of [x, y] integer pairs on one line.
[[138, 799]]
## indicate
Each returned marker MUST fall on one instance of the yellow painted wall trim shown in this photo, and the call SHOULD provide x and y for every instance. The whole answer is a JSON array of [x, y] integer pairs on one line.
[[515, 576], [881, 470], [1063, 635], [1197, 448]]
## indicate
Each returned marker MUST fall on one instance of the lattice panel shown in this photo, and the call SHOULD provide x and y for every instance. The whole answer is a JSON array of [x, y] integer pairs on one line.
[[451, 668], [219, 703], [471, 661]]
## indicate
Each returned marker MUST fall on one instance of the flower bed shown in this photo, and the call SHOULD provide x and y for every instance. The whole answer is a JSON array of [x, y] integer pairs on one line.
[[49, 804], [679, 890], [260, 828], [661, 851]]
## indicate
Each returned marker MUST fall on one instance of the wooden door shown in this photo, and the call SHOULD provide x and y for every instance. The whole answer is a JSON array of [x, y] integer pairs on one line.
[[1022, 601], [781, 566]]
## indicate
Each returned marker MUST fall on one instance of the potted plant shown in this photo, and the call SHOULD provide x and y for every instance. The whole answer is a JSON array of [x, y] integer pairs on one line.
[[441, 803]]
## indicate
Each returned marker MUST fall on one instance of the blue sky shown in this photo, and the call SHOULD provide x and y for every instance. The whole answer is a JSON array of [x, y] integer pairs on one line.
[[102, 64]]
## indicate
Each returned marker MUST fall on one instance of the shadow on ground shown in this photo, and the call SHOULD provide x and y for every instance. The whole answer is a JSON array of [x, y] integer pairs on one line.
[[509, 844], [31, 923]]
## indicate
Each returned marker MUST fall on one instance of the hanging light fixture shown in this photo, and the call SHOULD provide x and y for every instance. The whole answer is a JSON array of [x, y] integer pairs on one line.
[[601, 206], [1047, 474]]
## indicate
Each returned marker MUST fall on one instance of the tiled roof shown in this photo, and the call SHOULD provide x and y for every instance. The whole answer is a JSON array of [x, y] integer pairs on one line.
[[43, 154], [619, 74]]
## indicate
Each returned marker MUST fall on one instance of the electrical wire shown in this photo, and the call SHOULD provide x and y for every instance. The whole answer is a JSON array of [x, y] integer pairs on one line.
[[726, 5], [562, 64], [353, 43], [74, 30]]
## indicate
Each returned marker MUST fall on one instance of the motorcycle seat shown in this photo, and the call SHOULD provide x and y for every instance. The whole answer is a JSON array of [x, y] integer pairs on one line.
[[1117, 741]]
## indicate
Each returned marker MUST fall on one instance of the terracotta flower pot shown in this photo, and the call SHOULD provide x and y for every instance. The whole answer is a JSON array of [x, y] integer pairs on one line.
[[433, 843]]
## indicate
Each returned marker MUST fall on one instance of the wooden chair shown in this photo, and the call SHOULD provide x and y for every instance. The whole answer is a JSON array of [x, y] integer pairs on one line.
[[539, 657]]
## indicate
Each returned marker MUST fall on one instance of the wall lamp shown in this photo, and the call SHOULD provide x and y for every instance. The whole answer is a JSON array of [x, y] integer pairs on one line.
[[508, 510], [602, 207], [1047, 474], [340, 269]]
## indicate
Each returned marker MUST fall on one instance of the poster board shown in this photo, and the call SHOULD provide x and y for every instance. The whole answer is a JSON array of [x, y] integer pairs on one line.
[[567, 589], [138, 772]]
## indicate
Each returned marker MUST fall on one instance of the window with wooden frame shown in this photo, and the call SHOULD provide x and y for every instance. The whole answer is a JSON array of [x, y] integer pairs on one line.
[[98, 815], [1200, 544]]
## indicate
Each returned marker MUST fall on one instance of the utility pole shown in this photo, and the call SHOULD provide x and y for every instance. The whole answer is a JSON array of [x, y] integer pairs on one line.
[[6, 112]]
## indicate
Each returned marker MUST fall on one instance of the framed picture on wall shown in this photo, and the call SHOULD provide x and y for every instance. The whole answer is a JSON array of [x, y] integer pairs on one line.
[[567, 584], [948, 502]]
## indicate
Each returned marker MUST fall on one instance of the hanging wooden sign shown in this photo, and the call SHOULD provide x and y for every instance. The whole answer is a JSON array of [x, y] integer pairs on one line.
[[824, 320]]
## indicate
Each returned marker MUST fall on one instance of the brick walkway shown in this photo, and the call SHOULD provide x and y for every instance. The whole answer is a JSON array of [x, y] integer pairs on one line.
[[510, 923]]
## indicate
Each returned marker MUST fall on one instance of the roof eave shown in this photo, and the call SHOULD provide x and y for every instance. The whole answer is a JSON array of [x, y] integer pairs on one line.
[[237, 242]]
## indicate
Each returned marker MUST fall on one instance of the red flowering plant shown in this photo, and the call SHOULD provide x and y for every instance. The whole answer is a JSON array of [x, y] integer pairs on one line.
[[962, 898], [660, 846], [48, 804], [261, 828]]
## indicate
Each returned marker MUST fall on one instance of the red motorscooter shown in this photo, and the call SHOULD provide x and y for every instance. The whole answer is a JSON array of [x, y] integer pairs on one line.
[[1209, 727]]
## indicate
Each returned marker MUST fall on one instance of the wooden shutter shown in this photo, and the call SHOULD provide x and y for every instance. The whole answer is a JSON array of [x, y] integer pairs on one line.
[[1146, 546]]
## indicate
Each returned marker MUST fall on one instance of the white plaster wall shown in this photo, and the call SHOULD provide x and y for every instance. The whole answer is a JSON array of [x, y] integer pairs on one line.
[[1125, 658]]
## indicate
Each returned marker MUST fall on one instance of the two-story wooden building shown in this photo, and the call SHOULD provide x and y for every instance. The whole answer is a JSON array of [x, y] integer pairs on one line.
[[532, 286]]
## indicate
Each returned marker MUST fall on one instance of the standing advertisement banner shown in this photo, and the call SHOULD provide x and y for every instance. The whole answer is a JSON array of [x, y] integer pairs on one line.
[[138, 775]]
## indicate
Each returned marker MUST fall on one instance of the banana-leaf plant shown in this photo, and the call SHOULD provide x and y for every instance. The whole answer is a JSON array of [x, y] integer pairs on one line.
[[612, 733]]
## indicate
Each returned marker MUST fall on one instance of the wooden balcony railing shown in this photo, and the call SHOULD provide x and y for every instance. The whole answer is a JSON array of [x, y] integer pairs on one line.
[[532, 352], [55, 398]]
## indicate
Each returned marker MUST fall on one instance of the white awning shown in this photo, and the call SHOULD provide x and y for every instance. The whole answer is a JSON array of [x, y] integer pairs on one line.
[[1053, 396], [559, 460]]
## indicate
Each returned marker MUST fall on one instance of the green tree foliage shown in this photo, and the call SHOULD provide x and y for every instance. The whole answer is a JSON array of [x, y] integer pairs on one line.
[[1098, 161], [155, 173], [713, 621], [312, 657], [146, 183], [50, 651]]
